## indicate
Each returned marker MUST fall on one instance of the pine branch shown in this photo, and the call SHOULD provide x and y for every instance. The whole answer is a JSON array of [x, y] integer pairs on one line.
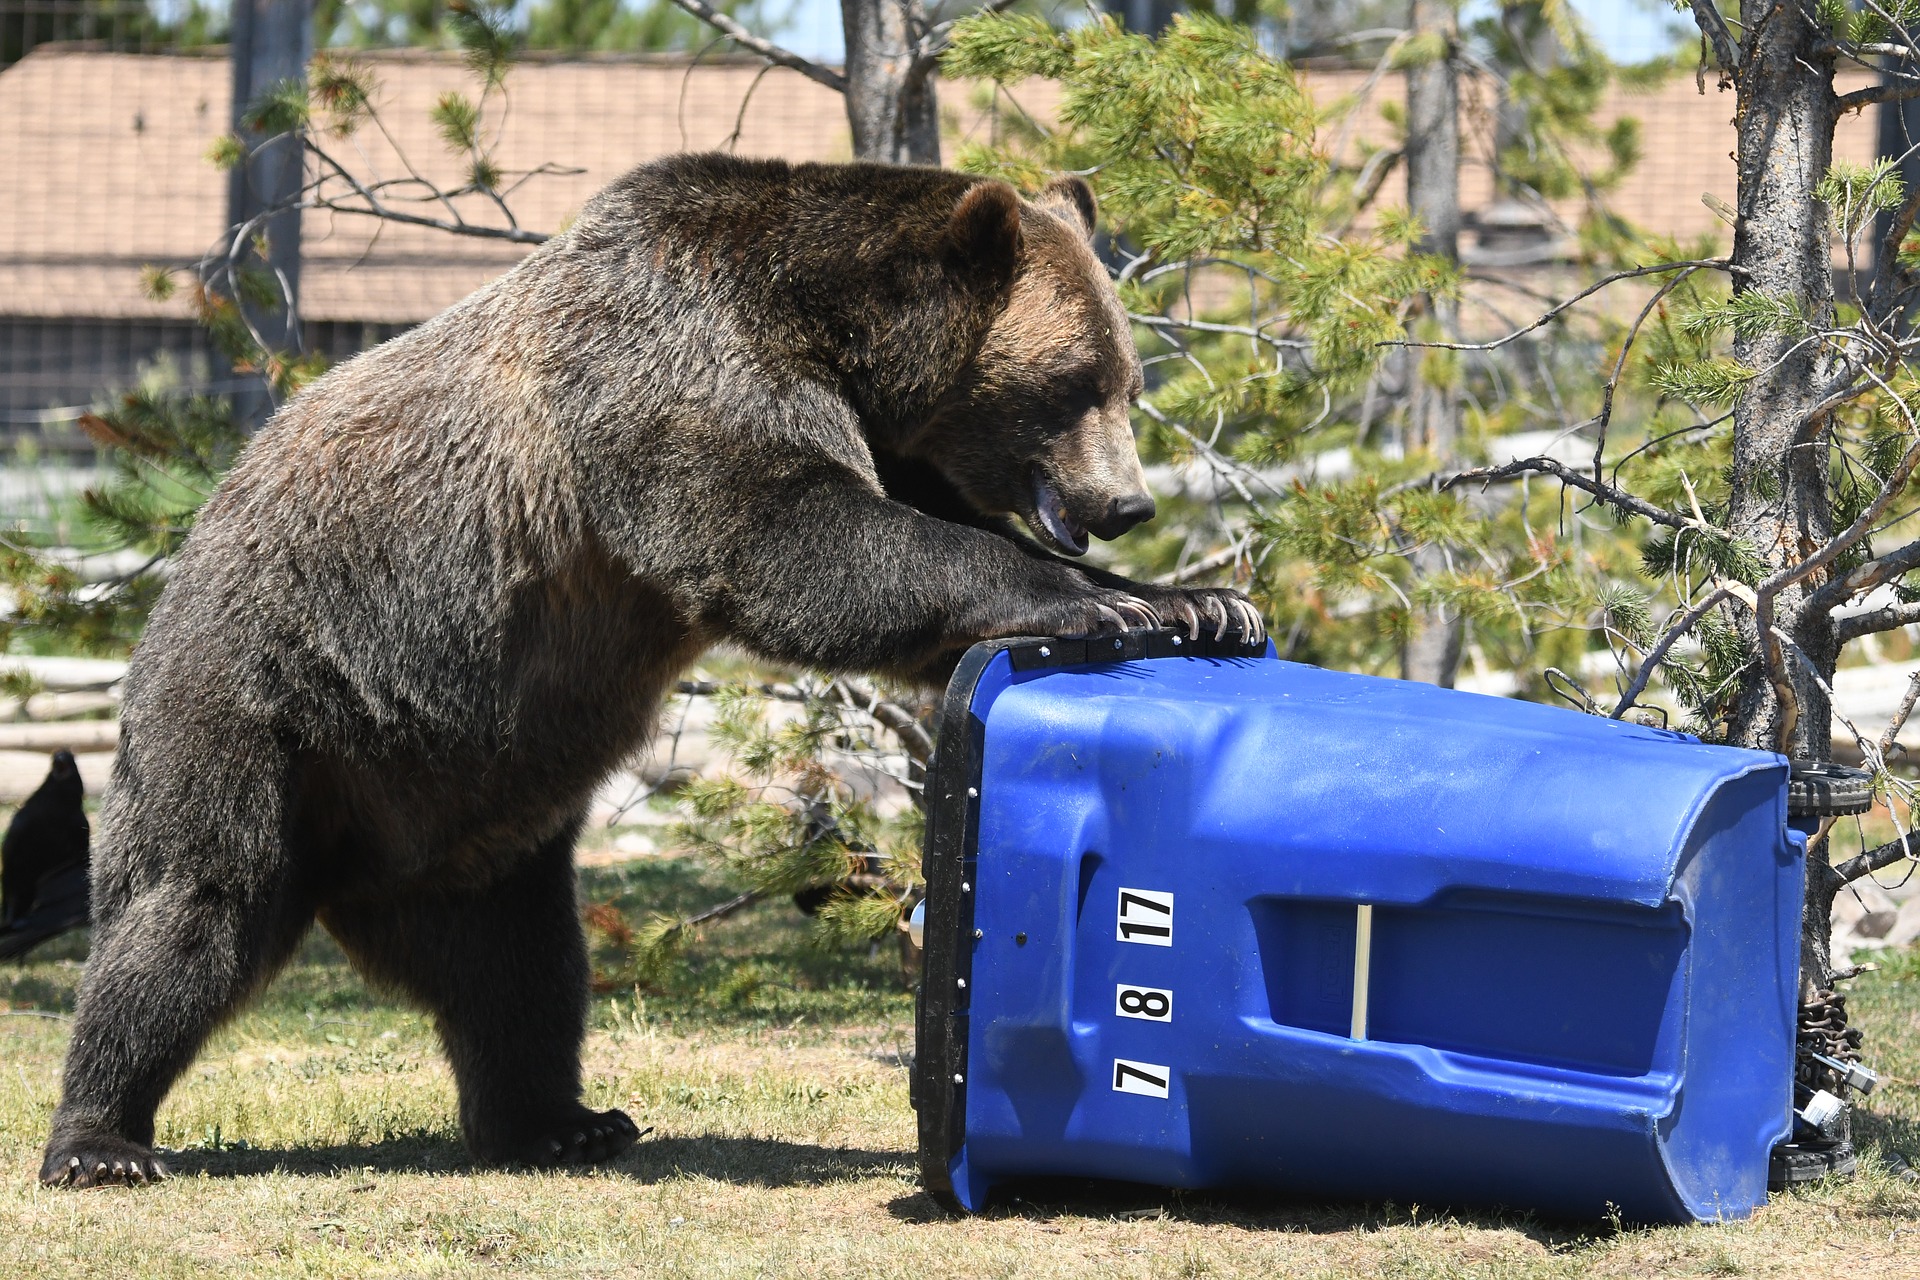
[[765, 48], [940, 36]]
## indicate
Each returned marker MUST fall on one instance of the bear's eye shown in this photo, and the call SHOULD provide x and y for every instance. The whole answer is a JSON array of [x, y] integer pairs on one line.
[[1072, 407], [1079, 391]]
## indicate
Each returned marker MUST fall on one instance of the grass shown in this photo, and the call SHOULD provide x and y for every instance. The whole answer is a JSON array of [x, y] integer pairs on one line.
[[316, 1137]]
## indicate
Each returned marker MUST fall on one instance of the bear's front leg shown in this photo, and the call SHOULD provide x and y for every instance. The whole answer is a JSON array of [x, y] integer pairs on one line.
[[818, 568]]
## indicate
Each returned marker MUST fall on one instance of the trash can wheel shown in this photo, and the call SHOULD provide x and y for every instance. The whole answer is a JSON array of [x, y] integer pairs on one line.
[[1822, 789]]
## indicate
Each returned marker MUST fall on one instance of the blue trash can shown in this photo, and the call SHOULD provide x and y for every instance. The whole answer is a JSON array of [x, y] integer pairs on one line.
[[1222, 920]]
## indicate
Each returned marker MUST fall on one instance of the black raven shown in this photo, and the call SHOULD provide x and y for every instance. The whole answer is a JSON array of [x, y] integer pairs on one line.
[[43, 862]]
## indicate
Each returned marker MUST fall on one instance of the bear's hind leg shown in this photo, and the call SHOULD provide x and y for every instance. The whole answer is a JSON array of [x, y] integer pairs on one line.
[[504, 973]]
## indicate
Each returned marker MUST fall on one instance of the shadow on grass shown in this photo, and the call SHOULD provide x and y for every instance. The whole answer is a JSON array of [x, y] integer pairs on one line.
[[1043, 1200], [422, 1153], [757, 1162], [1890, 1133]]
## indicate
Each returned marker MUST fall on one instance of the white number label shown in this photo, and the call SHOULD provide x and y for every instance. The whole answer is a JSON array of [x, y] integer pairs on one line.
[[1145, 916], [1153, 1004], [1146, 1078]]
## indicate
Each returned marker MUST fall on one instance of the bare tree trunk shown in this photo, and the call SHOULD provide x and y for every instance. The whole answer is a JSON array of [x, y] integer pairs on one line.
[[1432, 650], [891, 104], [1537, 50], [1899, 132], [1781, 248]]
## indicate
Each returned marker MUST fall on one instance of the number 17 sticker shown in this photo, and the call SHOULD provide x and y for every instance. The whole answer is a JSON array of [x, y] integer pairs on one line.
[[1145, 916]]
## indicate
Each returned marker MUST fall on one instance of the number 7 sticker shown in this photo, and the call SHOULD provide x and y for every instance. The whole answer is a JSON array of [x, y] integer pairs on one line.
[[1147, 1078], [1146, 917]]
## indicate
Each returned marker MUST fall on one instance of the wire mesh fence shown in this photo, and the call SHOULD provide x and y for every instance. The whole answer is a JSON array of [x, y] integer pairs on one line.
[[109, 110], [109, 117]]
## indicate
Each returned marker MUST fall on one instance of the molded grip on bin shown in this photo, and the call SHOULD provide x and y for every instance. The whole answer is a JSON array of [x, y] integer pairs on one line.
[[1130, 646]]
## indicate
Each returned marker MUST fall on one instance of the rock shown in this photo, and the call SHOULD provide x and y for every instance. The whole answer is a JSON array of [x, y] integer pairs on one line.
[[1845, 944], [1906, 925], [1876, 924], [1861, 898], [635, 844]]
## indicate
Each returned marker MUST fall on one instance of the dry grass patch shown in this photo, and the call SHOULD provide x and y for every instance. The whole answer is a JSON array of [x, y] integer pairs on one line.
[[316, 1137]]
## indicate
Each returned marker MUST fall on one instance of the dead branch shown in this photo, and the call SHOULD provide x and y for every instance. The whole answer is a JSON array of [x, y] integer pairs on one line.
[[1604, 419], [1877, 572], [1658, 654], [1619, 499], [1886, 91], [1548, 317], [765, 48], [375, 207], [905, 726], [721, 911], [1865, 864], [1899, 720], [1862, 525], [1205, 565], [1714, 28], [1885, 618], [856, 694]]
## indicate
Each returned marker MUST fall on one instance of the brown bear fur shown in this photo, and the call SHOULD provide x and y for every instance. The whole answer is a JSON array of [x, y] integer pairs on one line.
[[440, 596]]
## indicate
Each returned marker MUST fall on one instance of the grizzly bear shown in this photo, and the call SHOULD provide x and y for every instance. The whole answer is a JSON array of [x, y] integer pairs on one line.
[[439, 597]]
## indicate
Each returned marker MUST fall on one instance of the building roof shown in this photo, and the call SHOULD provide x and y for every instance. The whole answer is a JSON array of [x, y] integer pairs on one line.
[[106, 157], [106, 170]]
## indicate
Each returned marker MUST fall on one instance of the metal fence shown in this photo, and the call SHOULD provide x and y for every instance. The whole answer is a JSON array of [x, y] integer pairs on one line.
[[107, 116]]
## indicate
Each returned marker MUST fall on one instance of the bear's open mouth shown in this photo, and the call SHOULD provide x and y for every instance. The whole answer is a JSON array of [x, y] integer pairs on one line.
[[1050, 514]]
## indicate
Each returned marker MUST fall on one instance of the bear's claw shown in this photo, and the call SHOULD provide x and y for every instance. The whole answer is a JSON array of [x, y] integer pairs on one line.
[[101, 1161], [589, 1137]]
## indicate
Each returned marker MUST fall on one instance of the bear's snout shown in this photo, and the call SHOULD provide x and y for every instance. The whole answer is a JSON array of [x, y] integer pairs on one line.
[[1122, 514]]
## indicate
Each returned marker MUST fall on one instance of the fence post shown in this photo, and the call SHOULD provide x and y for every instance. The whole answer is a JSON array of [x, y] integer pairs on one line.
[[272, 41]]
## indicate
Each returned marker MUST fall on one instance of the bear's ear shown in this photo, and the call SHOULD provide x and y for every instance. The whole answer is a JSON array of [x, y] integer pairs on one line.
[[984, 229], [1072, 199]]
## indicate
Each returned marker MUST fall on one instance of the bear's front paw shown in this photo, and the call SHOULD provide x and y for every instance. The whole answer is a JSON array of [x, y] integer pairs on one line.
[[1100, 613], [89, 1158], [1216, 610]]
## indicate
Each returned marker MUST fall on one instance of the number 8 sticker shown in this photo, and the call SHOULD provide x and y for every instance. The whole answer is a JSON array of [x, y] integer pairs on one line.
[[1152, 1004]]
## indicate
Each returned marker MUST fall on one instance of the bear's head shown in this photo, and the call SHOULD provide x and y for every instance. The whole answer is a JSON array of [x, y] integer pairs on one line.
[[1038, 423]]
